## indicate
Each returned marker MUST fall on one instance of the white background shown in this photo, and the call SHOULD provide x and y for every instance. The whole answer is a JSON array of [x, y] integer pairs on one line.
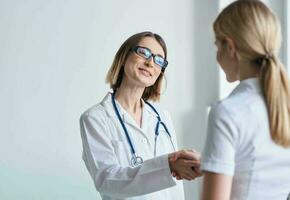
[[54, 56]]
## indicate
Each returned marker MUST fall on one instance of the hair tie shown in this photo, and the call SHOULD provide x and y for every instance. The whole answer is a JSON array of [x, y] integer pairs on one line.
[[268, 55]]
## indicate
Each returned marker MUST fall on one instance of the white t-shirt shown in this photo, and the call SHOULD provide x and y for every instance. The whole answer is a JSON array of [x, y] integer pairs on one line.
[[107, 154], [239, 144]]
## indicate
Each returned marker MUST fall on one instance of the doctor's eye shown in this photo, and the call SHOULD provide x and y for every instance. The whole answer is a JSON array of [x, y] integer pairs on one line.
[[144, 52]]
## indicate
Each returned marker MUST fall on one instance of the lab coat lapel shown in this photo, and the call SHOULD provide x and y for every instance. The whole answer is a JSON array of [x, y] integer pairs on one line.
[[127, 118], [129, 121], [149, 120], [148, 123]]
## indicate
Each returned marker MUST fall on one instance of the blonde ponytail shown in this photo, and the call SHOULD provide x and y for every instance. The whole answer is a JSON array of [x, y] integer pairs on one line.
[[276, 88]]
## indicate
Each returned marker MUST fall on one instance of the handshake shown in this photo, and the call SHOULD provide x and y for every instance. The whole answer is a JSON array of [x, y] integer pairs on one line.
[[185, 164]]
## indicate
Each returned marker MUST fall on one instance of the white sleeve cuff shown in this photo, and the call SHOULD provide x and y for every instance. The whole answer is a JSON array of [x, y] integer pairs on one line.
[[161, 166], [218, 167]]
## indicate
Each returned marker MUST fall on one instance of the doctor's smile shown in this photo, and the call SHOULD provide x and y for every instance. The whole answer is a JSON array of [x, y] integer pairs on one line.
[[145, 72]]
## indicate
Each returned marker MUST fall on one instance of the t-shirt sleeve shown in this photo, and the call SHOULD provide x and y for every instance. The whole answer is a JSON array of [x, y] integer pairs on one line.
[[220, 147]]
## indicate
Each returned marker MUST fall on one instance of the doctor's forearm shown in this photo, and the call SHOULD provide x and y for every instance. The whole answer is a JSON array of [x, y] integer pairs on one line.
[[153, 175]]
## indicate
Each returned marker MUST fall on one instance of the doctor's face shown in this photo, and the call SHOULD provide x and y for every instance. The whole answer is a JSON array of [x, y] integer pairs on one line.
[[226, 61], [141, 71]]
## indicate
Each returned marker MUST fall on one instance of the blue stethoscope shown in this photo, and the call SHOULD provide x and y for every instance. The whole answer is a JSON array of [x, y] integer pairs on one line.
[[137, 160]]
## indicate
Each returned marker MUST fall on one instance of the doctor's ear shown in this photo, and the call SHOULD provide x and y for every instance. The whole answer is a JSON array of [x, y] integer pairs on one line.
[[230, 46]]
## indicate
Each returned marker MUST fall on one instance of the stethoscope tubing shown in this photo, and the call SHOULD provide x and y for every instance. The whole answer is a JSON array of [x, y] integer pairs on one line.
[[123, 125], [137, 160]]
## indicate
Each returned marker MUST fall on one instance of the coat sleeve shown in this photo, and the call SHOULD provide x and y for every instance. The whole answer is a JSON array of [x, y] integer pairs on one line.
[[112, 179]]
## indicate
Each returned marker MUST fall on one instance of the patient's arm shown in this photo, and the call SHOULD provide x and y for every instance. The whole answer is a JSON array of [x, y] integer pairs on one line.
[[216, 186]]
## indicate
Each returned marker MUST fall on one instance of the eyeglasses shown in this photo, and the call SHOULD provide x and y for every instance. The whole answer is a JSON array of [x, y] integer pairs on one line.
[[147, 54]]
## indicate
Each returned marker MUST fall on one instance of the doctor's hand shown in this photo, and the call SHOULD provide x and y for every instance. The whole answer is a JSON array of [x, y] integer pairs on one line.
[[185, 164]]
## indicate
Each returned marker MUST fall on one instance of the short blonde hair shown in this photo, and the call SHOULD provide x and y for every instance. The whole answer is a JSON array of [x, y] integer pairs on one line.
[[116, 72], [257, 34]]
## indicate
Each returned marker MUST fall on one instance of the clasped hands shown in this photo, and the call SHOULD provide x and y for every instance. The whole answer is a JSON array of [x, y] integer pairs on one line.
[[185, 164]]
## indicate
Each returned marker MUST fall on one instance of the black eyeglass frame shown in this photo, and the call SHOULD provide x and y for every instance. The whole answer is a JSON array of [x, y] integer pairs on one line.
[[135, 48]]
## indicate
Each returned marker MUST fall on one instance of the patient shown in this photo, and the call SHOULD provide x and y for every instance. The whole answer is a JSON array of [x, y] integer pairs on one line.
[[247, 154]]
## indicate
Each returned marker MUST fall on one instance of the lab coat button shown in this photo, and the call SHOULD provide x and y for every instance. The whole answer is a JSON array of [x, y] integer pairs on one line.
[[144, 141]]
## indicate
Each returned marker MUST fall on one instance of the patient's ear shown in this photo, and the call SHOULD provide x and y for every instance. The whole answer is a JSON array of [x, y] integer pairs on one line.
[[231, 47]]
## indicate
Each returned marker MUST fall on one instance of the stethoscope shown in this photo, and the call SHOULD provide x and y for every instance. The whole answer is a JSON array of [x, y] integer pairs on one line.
[[137, 160]]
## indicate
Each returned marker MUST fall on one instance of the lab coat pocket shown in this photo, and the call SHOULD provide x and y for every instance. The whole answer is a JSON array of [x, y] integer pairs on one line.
[[120, 152]]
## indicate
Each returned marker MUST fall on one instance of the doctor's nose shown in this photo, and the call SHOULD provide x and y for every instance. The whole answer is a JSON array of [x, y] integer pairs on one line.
[[149, 62]]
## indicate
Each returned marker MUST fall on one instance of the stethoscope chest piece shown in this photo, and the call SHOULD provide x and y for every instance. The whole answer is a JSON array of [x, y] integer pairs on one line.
[[136, 161]]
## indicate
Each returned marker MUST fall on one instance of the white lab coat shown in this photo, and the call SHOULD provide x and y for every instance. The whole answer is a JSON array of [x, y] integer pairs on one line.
[[107, 154]]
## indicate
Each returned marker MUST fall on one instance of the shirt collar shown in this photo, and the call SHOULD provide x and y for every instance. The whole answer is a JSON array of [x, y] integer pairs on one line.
[[108, 104], [250, 85]]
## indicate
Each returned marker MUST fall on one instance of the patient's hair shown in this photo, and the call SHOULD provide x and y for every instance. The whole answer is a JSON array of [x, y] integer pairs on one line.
[[256, 32]]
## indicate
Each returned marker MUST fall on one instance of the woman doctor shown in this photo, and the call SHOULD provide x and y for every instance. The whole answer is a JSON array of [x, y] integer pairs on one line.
[[128, 142], [247, 152]]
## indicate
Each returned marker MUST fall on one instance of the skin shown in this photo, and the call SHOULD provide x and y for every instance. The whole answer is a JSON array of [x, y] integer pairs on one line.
[[186, 158], [231, 63], [140, 73], [218, 186]]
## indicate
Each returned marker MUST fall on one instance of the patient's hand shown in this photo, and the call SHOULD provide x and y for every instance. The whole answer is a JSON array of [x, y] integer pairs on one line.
[[185, 164]]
